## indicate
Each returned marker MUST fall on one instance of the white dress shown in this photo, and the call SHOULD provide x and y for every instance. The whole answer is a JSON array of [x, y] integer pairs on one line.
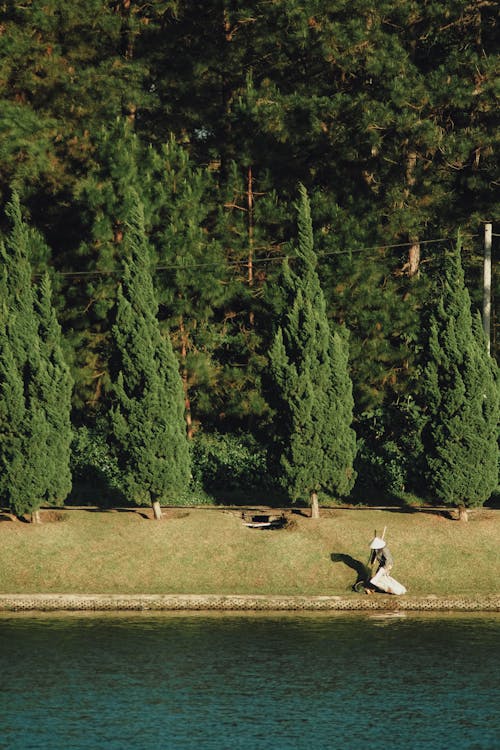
[[382, 580]]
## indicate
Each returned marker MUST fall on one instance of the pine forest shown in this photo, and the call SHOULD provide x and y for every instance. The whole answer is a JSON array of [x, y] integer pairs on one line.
[[242, 252]]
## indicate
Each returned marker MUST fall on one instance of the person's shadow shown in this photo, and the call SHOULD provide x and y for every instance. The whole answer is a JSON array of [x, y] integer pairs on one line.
[[363, 571]]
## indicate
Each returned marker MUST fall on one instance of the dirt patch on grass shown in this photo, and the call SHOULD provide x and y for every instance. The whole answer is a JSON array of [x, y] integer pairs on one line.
[[53, 516], [483, 515], [173, 513], [167, 514]]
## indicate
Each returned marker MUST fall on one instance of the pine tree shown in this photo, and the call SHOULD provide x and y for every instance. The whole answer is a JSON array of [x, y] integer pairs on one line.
[[315, 444], [147, 416], [64, 73], [461, 396], [190, 282], [105, 198], [248, 227]]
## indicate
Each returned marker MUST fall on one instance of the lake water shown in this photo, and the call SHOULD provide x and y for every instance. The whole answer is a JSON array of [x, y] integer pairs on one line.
[[280, 681]]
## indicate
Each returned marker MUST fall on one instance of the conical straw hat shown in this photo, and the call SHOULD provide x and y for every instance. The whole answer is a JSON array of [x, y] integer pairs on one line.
[[377, 543]]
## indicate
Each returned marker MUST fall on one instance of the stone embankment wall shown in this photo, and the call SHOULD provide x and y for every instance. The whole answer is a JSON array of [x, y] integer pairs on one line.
[[260, 603]]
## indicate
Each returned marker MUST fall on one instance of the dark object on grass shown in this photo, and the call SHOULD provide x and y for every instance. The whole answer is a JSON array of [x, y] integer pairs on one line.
[[263, 520]]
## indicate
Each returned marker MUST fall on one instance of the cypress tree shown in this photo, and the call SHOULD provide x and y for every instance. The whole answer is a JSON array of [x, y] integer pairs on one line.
[[147, 416], [461, 397], [24, 428], [54, 391], [314, 441], [23, 437]]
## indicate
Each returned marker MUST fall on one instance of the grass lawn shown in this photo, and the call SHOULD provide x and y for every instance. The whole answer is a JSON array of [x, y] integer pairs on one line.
[[209, 551]]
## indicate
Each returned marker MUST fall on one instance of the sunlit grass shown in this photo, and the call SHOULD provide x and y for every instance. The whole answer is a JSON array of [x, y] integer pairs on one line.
[[203, 551]]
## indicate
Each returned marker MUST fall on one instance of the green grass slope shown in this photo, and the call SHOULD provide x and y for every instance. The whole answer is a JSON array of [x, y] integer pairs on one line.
[[210, 551]]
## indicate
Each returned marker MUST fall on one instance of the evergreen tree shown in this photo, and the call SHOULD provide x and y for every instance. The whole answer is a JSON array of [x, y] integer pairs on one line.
[[66, 69], [191, 276], [54, 392], [35, 467], [147, 416], [249, 228], [23, 436], [461, 398], [339, 437], [105, 198], [315, 443], [177, 198], [385, 111]]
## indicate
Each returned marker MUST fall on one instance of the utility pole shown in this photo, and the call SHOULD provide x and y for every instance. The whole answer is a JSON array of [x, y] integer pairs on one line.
[[487, 284]]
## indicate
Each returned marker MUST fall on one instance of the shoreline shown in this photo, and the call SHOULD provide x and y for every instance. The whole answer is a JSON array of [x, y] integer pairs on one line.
[[243, 603]]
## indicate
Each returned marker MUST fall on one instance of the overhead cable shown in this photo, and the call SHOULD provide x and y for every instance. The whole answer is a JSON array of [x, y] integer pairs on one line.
[[255, 260]]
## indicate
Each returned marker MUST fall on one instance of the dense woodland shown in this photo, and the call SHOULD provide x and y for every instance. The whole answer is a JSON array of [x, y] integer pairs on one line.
[[255, 154]]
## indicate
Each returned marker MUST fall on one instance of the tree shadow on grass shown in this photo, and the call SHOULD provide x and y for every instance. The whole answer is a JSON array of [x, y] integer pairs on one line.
[[7, 516], [362, 571], [136, 511]]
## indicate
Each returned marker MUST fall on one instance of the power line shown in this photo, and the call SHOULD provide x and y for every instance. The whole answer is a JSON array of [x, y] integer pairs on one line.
[[256, 261]]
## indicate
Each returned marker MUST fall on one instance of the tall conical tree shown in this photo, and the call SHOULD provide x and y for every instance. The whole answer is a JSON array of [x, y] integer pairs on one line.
[[54, 391], [147, 417], [315, 443], [461, 396], [23, 436], [32, 464]]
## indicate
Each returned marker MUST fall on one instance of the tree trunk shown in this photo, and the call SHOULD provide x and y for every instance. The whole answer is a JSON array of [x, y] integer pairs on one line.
[[414, 252], [314, 505], [226, 93], [35, 516], [250, 235], [414, 258], [463, 513], [156, 509]]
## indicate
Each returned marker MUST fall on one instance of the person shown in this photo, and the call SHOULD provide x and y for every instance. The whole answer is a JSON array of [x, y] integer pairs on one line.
[[381, 555]]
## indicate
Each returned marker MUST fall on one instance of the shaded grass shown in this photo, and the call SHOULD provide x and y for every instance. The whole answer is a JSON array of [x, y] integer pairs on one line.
[[209, 551]]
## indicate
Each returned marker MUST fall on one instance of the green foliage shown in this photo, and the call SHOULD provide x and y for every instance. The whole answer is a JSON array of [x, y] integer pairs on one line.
[[212, 113], [249, 223], [224, 463], [97, 479], [54, 391], [315, 445], [63, 73], [17, 439], [105, 196], [390, 456], [190, 281], [147, 415], [35, 382], [381, 473], [461, 395]]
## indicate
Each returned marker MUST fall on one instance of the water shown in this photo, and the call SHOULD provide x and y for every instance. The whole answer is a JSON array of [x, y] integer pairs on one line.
[[286, 682]]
